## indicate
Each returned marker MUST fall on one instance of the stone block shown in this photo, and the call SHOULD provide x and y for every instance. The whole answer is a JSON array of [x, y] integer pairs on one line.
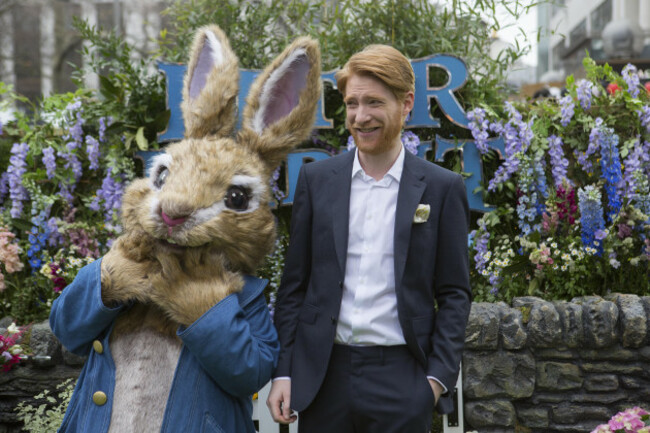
[[558, 376], [533, 417], [44, 344], [544, 328], [493, 413], [601, 382], [632, 319], [482, 330], [498, 374], [600, 318], [513, 333], [612, 353], [568, 413], [560, 353], [613, 367], [571, 322]]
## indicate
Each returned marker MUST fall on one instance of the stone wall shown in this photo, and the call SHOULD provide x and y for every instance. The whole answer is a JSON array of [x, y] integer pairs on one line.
[[535, 366], [547, 367]]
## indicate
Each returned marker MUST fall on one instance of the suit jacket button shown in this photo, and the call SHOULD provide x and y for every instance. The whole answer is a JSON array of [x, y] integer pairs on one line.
[[99, 398], [341, 284], [333, 319], [99, 348]]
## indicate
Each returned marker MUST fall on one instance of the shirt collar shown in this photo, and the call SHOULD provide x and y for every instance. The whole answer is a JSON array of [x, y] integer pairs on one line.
[[395, 170]]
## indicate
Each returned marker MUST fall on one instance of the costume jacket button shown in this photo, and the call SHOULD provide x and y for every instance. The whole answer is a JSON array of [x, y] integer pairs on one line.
[[99, 398], [99, 348]]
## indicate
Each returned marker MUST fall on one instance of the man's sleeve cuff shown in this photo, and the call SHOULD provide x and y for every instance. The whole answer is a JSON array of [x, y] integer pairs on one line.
[[444, 388], [280, 378]]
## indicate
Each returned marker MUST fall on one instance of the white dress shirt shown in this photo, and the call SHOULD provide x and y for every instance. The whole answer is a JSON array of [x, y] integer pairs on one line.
[[368, 314]]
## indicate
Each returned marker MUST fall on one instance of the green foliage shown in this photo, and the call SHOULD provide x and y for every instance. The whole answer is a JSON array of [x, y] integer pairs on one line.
[[48, 415], [133, 95]]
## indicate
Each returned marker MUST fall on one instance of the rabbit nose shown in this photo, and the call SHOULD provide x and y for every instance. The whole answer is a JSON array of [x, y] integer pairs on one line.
[[171, 222]]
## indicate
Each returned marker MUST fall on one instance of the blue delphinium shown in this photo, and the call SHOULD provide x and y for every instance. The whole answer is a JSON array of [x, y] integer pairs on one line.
[[591, 218], [104, 122], [17, 168], [49, 161], [631, 77], [478, 126], [92, 149], [559, 164], [37, 238], [584, 91], [566, 109], [610, 164]]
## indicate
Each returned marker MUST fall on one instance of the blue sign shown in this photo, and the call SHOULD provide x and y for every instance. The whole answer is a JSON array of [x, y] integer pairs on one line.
[[420, 117]]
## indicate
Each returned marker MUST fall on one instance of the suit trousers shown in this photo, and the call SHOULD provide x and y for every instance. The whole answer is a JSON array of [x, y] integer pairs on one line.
[[371, 389]]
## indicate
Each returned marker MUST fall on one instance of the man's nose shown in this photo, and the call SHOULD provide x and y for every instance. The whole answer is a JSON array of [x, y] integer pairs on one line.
[[362, 114]]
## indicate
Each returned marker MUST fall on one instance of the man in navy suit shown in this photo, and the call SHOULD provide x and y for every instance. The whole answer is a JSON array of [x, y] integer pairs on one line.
[[374, 300]]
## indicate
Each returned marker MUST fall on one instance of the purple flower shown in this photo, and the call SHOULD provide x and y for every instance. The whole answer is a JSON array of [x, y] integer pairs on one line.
[[559, 164], [17, 168], [584, 91], [277, 192], [92, 149], [411, 141], [644, 117], [351, 145], [104, 122], [633, 164], [111, 193], [49, 160], [566, 109], [631, 77], [517, 136], [596, 137], [478, 126]]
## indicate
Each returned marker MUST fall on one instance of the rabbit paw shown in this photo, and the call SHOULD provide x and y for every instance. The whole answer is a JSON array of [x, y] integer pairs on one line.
[[190, 285], [126, 270]]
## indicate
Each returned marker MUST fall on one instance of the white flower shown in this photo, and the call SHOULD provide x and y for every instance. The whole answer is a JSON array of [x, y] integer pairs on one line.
[[421, 213], [16, 349], [13, 329]]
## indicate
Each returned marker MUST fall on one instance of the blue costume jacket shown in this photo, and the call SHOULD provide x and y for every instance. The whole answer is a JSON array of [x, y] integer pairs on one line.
[[227, 355]]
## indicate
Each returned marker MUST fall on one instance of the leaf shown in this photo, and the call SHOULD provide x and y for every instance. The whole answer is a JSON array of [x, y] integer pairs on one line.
[[140, 139]]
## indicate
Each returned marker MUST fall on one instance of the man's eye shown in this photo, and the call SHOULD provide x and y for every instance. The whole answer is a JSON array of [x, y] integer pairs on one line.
[[237, 198], [161, 177]]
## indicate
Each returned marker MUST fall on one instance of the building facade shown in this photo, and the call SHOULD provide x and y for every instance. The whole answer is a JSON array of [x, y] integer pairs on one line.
[[39, 45], [611, 31]]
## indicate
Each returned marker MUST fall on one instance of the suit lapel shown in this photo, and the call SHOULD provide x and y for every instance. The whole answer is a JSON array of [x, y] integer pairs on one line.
[[411, 188], [339, 200]]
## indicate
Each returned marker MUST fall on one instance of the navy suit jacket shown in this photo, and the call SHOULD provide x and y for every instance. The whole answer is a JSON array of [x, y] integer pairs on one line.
[[431, 272]]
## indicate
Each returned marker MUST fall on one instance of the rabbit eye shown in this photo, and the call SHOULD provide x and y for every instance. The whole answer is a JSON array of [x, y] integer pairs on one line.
[[237, 198], [161, 177]]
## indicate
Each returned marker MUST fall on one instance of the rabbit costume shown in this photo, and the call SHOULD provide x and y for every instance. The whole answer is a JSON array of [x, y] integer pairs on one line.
[[177, 334]]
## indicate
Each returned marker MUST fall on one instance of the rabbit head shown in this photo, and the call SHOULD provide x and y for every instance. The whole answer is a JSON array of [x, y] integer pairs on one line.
[[210, 191]]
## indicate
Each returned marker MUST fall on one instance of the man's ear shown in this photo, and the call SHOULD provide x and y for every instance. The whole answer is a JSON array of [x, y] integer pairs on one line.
[[409, 101]]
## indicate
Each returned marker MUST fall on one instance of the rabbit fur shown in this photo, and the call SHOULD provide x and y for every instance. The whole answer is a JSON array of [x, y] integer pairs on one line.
[[201, 219]]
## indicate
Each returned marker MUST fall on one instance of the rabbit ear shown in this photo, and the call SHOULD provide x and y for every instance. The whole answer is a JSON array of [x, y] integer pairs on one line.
[[281, 105], [211, 85]]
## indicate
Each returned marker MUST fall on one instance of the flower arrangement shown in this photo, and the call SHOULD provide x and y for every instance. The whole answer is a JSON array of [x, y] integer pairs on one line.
[[629, 421], [10, 350], [59, 197], [571, 195]]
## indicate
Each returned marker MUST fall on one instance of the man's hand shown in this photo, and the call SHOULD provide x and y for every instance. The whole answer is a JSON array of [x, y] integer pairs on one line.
[[279, 401], [437, 390]]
